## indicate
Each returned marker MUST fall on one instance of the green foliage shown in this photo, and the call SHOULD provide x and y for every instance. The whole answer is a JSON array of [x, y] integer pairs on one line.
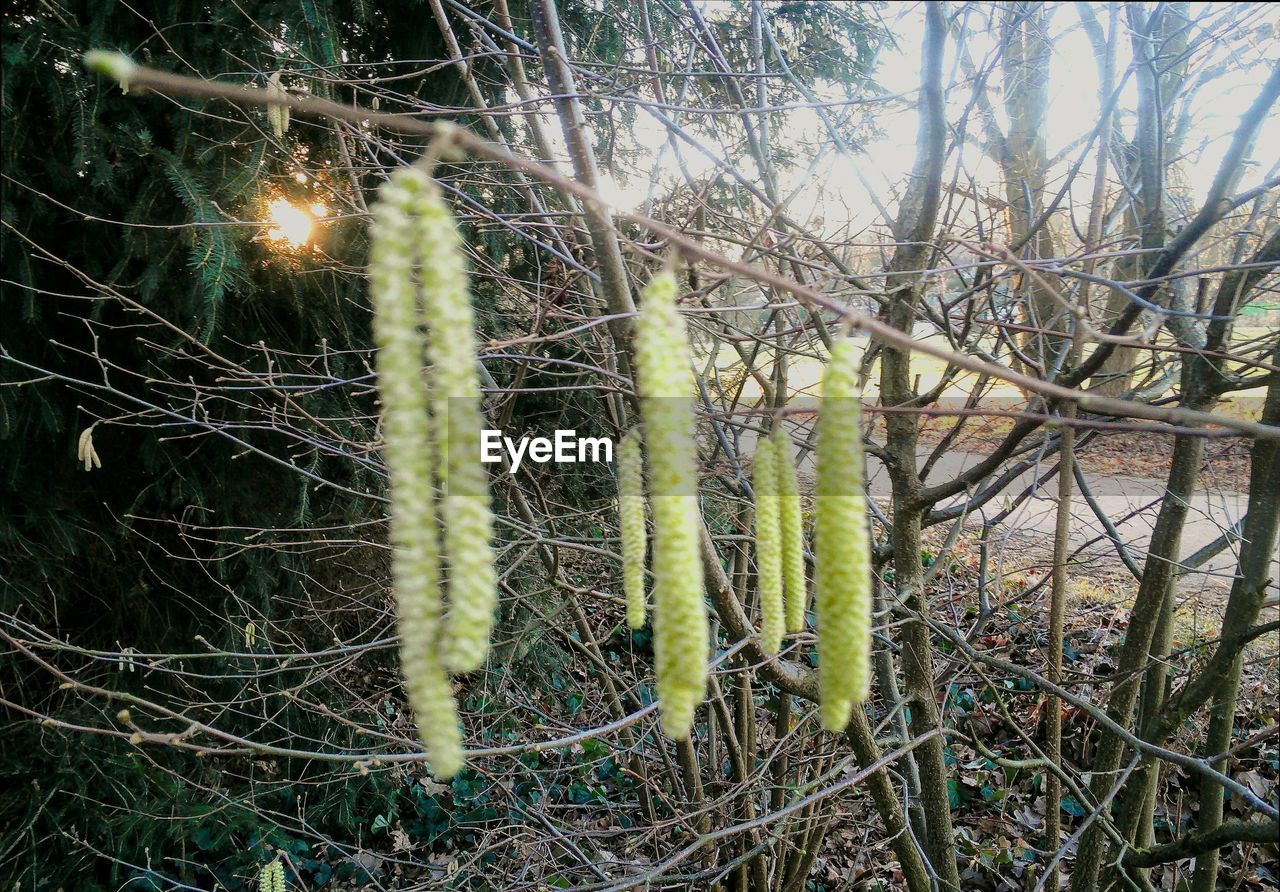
[[135, 272], [828, 41], [137, 278]]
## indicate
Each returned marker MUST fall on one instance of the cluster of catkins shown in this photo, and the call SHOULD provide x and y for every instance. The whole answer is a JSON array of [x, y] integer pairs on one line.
[[779, 540], [271, 878], [441, 519], [431, 421], [842, 555]]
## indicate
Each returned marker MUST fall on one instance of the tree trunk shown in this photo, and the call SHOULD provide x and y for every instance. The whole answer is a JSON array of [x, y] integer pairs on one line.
[[1157, 576], [1257, 556], [917, 218], [1024, 158]]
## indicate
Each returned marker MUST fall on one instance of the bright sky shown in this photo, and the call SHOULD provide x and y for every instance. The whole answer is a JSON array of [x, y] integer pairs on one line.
[[833, 191]]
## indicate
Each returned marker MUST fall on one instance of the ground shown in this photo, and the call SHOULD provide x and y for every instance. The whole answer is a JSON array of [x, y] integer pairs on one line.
[[1126, 473]]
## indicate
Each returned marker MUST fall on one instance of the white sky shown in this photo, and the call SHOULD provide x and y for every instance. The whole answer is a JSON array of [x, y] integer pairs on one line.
[[833, 190]]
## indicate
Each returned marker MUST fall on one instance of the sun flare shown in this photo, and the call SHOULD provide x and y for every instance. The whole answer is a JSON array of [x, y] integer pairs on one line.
[[290, 223]]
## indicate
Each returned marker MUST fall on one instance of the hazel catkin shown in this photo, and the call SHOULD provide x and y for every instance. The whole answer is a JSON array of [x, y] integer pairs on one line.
[[271, 877], [457, 416], [768, 530], [842, 555], [664, 380], [791, 521], [112, 64], [415, 561], [631, 525], [277, 114]]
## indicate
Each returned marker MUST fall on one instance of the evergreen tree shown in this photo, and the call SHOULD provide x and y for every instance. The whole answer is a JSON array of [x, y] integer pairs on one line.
[[143, 292]]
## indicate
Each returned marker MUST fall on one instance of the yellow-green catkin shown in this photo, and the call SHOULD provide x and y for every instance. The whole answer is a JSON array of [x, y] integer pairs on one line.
[[271, 877], [415, 560], [112, 64], [764, 479], [631, 525], [664, 379], [842, 555], [791, 521], [456, 413], [277, 115]]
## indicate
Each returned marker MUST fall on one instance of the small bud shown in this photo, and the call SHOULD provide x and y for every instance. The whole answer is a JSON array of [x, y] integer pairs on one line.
[[124, 716]]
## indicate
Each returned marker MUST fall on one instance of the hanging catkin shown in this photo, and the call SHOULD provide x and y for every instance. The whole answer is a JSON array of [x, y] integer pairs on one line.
[[764, 474], [277, 115], [841, 549], [454, 385], [665, 382], [791, 522], [415, 561], [116, 66], [631, 525], [271, 877]]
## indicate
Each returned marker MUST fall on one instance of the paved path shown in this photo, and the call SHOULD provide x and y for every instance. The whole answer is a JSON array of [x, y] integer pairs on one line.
[[1031, 526], [1212, 511]]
